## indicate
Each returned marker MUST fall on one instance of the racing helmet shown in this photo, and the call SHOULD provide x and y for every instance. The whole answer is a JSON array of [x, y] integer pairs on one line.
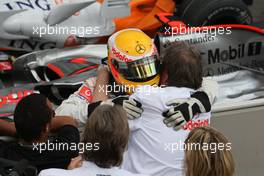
[[133, 59]]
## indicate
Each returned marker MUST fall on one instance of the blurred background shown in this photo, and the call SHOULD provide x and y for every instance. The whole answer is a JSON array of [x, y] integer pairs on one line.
[[257, 10]]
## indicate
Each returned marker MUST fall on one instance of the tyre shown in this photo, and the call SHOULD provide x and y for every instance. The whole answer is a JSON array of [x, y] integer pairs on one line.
[[212, 12]]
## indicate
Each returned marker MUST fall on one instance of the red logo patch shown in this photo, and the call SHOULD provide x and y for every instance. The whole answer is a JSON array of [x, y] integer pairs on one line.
[[194, 124], [86, 93], [120, 56], [14, 98], [4, 66]]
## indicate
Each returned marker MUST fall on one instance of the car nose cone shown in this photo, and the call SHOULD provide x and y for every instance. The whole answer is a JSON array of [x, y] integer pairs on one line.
[[12, 26]]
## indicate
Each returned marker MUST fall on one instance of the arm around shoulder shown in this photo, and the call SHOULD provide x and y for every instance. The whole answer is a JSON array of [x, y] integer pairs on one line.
[[211, 88]]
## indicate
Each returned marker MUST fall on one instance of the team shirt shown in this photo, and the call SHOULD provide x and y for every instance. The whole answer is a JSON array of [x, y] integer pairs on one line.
[[154, 148], [88, 169]]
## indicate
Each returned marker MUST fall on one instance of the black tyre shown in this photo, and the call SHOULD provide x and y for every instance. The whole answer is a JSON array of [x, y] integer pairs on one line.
[[211, 12]]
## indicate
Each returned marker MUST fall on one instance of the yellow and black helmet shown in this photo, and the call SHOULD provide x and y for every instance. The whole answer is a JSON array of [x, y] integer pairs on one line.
[[133, 58]]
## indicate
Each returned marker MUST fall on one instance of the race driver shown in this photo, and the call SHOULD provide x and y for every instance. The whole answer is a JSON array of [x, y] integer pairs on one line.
[[133, 60]]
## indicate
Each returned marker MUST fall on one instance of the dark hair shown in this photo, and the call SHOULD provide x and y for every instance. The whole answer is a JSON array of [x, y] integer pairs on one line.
[[31, 116], [107, 126], [183, 65]]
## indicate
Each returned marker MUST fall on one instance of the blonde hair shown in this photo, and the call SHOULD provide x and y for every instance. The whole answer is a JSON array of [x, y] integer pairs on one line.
[[205, 162], [107, 126]]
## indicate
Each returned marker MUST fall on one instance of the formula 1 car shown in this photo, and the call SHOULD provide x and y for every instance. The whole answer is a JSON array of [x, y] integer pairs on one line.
[[63, 23], [53, 72], [221, 46], [60, 23]]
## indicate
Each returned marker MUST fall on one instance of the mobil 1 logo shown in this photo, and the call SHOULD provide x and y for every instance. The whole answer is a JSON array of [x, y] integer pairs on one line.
[[235, 52], [248, 54], [254, 48]]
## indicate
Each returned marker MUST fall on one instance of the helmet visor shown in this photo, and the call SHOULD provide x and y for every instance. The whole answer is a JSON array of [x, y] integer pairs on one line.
[[138, 69]]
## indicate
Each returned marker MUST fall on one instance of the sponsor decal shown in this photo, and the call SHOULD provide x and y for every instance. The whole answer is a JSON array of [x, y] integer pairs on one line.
[[120, 56], [140, 49], [193, 40], [14, 98], [254, 48], [85, 93], [5, 66], [194, 124], [44, 5], [234, 52], [31, 45]]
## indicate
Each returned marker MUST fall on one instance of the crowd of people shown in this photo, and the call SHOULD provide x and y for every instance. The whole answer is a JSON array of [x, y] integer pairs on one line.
[[157, 124]]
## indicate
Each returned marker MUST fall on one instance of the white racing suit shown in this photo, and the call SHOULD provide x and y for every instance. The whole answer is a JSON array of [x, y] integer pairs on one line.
[[77, 103]]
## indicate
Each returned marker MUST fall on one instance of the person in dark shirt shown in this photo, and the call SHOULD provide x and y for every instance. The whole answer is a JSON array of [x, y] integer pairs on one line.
[[34, 121]]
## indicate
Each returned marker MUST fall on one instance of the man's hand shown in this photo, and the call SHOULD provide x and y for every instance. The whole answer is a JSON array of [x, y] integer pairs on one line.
[[183, 110], [131, 106]]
